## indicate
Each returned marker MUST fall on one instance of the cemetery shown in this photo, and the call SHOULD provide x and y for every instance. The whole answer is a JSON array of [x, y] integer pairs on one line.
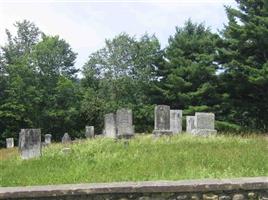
[[120, 126], [118, 154], [134, 100]]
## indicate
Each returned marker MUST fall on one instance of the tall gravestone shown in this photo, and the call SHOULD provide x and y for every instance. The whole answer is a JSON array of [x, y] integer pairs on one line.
[[162, 120], [124, 123], [176, 121], [30, 143], [48, 139], [110, 125], [190, 123], [9, 142], [204, 124], [89, 132], [66, 139]]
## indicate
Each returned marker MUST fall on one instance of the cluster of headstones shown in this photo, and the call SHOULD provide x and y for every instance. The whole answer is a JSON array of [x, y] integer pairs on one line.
[[201, 124], [120, 125], [10, 141], [169, 122], [30, 144]]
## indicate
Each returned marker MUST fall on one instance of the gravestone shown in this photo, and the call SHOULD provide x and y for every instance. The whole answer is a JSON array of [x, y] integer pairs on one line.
[[124, 123], [66, 138], [190, 123], [110, 125], [30, 143], [89, 132], [162, 120], [48, 139], [10, 143], [176, 121], [204, 124]]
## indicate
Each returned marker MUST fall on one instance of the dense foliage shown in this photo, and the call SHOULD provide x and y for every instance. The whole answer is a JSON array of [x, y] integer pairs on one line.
[[226, 73], [243, 55]]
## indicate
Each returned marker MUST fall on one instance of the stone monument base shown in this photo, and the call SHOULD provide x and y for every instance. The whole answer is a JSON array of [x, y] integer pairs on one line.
[[203, 132], [162, 132]]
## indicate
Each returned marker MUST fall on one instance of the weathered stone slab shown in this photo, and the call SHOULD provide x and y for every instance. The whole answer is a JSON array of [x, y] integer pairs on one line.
[[204, 124], [9, 142], [66, 138], [204, 120], [190, 125], [30, 143], [110, 125], [48, 139], [162, 120], [124, 123], [89, 132], [176, 121]]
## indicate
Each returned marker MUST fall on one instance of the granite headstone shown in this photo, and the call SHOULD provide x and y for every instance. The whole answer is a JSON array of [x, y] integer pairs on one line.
[[190, 123], [48, 139], [66, 138], [30, 143], [162, 120], [89, 132], [204, 124], [9, 142], [124, 123], [176, 121], [110, 125]]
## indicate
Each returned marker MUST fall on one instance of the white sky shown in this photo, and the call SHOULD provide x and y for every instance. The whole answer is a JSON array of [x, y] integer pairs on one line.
[[85, 24]]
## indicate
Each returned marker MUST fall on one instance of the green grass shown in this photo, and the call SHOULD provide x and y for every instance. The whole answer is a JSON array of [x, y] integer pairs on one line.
[[144, 158]]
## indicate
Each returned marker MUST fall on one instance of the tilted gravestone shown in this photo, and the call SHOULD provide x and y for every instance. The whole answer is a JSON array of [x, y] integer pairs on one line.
[[190, 123], [66, 138], [9, 142], [110, 125], [89, 132], [176, 121], [30, 143], [204, 124], [162, 120], [124, 123]]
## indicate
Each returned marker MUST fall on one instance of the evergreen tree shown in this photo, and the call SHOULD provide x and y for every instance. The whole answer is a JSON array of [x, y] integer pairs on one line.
[[243, 55], [187, 77]]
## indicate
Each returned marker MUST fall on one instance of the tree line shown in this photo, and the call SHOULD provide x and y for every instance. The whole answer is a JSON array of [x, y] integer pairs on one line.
[[225, 73]]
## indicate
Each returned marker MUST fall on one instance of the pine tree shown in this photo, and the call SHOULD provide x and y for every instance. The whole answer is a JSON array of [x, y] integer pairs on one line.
[[243, 55], [188, 75]]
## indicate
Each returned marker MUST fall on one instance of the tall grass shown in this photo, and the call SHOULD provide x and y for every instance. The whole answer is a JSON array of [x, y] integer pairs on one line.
[[143, 158]]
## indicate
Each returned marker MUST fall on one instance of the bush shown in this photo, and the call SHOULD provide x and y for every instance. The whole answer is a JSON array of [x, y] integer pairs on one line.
[[223, 126]]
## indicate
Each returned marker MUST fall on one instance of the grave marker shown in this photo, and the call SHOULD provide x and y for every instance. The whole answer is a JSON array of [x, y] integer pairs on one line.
[[89, 132], [124, 123], [66, 138], [110, 125], [30, 143], [204, 124], [9, 142], [176, 121], [48, 139], [162, 120], [190, 123]]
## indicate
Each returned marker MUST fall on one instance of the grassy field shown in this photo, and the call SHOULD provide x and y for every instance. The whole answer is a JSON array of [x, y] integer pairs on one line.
[[144, 158]]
